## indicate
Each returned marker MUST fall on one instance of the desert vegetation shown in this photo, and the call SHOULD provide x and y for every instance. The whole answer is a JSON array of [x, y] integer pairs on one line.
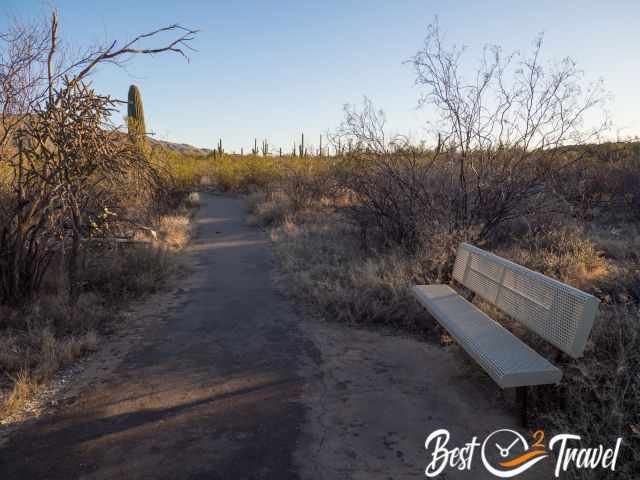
[[88, 217], [513, 169]]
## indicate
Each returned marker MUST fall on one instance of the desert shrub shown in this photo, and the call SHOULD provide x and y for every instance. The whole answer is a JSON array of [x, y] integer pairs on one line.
[[392, 198], [193, 200], [268, 209], [174, 230], [130, 272], [225, 172], [599, 394], [346, 286], [402, 193], [565, 253], [183, 171], [604, 185], [239, 173], [307, 181], [403, 197]]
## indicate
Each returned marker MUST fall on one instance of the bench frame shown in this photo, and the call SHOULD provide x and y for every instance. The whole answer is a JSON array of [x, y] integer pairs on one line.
[[559, 313]]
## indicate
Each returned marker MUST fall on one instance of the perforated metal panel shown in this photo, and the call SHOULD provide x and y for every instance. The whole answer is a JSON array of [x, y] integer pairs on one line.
[[559, 313]]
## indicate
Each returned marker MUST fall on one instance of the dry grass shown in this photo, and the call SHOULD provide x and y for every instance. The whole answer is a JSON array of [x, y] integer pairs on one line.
[[599, 395], [24, 386], [268, 210], [174, 230], [320, 252], [566, 253], [38, 340]]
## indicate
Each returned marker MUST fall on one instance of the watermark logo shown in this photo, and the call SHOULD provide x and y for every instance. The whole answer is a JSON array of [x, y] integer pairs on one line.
[[506, 453], [511, 465]]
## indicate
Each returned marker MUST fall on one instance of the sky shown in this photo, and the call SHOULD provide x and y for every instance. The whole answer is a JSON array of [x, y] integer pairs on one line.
[[274, 69]]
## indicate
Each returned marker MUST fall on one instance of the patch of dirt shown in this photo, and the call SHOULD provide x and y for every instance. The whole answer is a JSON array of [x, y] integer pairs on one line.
[[126, 331]]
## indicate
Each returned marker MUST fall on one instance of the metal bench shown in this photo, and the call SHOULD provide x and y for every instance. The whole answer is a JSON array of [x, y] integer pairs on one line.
[[561, 314]]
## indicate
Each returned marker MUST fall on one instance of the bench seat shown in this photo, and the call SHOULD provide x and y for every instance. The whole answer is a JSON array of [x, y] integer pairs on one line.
[[507, 360]]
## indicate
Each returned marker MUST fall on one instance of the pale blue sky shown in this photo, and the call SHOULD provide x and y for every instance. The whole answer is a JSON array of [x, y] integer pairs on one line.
[[273, 69]]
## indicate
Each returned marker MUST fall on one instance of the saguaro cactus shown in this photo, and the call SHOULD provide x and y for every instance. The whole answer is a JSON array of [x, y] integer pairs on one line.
[[265, 148], [220, 149], [301, 147], [254, 150], [135, 118]]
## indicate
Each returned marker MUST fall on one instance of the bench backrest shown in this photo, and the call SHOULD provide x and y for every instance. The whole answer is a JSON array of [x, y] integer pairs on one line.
[[561, 314]]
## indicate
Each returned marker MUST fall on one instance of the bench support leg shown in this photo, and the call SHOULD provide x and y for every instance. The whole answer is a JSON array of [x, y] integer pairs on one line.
[[521, 394]]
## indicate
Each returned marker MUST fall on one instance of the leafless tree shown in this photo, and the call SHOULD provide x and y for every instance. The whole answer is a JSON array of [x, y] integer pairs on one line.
[[58, 148], [510, 126], [501, 136]]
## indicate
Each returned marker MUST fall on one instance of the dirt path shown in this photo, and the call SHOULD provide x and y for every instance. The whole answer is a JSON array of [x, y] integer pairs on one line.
[[228, 382]]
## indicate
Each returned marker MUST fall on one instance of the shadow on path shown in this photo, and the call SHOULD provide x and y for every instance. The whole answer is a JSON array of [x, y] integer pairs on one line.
[[213, 393]]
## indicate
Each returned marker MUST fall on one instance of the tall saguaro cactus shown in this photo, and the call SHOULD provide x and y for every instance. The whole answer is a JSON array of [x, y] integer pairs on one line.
[[135, 118]]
